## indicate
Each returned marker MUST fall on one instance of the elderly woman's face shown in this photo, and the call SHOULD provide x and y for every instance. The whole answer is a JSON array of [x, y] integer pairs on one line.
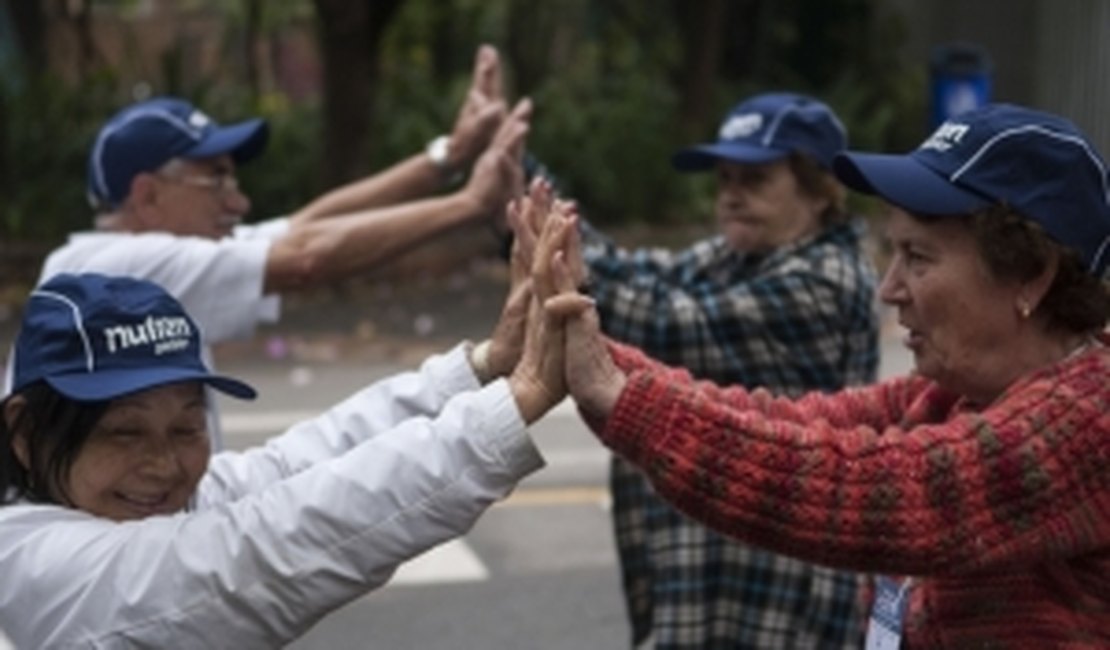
[[961, 321], [762, 207], [145, 456]]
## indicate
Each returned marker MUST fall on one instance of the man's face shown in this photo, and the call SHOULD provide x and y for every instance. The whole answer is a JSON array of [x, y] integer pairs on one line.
[[198, 198], [762, 207]]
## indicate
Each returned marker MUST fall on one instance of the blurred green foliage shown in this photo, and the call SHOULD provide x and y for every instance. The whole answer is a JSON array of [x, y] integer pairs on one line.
[[607, 79], [47, 129]]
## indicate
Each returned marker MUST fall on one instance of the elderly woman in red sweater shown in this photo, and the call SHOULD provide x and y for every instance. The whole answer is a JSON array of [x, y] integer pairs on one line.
[[977, 489]]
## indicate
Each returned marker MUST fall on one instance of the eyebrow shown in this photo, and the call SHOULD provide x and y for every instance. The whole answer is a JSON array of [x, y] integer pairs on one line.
[[133, 401]]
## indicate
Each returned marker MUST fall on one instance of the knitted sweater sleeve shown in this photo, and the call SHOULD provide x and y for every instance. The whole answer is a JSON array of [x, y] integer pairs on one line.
[[890, 478]]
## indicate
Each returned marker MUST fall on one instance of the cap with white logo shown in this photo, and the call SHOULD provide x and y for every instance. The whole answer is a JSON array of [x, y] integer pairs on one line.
[[93, 337], [1037, 163], [147, 135], [770, 127]]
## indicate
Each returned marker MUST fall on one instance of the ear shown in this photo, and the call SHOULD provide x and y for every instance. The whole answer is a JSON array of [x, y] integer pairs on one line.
[[819, 204], [13, 409], [1033, 291], [141, 210]]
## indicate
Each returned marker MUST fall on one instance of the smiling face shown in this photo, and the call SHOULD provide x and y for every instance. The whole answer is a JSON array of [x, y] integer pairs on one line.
[[762, 207], [145, 456], [963, 328]]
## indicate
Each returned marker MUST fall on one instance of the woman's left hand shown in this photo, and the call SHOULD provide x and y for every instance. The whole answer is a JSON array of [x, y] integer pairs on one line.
[[538, 382], [507, 341]]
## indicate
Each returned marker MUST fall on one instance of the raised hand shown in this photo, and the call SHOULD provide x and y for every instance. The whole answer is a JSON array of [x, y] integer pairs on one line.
[[481, 113], [507, 340], [538, 381], [498, 176], [590, 375]]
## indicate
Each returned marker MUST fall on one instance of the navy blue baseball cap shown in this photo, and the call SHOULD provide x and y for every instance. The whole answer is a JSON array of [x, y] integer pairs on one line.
[[1038, 164], [93, 337], [147, 135], [769, 127]]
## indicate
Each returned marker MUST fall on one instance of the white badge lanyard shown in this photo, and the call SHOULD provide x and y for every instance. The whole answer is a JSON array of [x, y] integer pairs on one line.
[[888, 614]]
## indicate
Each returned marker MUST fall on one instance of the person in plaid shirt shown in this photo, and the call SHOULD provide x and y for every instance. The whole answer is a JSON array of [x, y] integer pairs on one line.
[[782, 298]]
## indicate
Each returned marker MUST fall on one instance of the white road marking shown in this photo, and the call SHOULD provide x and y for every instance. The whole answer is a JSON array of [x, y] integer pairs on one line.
[[452, 561]]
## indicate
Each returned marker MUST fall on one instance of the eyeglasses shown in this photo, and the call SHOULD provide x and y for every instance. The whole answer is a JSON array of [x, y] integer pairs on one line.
[[219, 183]]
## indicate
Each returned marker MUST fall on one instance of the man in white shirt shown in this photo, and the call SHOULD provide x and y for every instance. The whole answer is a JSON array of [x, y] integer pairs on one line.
[[161, 175]]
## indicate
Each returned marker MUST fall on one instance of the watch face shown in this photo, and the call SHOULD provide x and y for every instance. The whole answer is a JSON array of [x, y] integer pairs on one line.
[[437, 150]]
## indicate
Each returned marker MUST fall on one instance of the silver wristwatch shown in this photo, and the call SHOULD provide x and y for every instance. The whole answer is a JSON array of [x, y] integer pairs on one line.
[[437, 150]]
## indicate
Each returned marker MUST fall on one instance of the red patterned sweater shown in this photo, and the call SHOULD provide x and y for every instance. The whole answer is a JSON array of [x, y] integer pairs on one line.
[[1003, 514]]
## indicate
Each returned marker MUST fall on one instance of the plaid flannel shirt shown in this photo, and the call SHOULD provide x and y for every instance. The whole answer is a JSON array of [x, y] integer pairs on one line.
[[800, 318]]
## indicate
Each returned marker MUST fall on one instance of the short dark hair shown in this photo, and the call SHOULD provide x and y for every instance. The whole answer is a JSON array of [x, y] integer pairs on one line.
[[56, 429], [818, 182], [1016, 248]]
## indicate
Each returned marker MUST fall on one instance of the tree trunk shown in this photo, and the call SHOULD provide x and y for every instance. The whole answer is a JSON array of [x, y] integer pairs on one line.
[[88, 54], [702, 27], [29, 22], [251, 33], [350, 34]]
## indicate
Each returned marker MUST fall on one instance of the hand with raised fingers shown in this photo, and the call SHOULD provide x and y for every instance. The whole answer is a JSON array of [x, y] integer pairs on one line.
[[498, 176], [538, 382], [572, 248], [526, 231], [481, 113], [592, 379], [507, 340]]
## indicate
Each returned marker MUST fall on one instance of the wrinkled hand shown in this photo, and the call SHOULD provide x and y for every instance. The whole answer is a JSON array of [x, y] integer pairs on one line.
[[498, 176], [481, 113], [507, 340], [590, 375], [526, 233], [526, 230], [538, 382]]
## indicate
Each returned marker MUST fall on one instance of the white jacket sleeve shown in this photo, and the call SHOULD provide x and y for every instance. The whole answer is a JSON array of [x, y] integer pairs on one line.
[[258, 572], [367, 413]]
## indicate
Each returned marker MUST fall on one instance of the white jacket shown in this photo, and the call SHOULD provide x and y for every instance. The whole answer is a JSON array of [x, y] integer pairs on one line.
[[280, 535]]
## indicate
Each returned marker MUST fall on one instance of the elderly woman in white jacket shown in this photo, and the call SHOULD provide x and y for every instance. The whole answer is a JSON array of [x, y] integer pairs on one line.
[[119, 529]]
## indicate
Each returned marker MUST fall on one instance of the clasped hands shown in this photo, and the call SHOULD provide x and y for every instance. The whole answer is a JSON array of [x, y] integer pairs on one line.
[[549, 333]]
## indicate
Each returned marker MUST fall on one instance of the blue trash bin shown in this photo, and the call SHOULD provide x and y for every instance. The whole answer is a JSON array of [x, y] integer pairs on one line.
[[960, 78]]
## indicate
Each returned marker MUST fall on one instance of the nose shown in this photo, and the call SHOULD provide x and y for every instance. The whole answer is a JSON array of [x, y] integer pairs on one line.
[[730, 194], [892, 290], [237, 202], [161, 461]]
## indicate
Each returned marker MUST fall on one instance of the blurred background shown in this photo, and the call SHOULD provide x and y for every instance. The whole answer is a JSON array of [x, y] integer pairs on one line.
[[350, 86]]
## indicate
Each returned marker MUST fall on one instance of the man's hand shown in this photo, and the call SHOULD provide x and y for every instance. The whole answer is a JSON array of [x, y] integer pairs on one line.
[[481, 113], [498, 176]]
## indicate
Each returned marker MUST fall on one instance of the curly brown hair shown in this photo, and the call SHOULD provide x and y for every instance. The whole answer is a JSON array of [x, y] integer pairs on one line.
[[818, 182], [1016, 248]]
